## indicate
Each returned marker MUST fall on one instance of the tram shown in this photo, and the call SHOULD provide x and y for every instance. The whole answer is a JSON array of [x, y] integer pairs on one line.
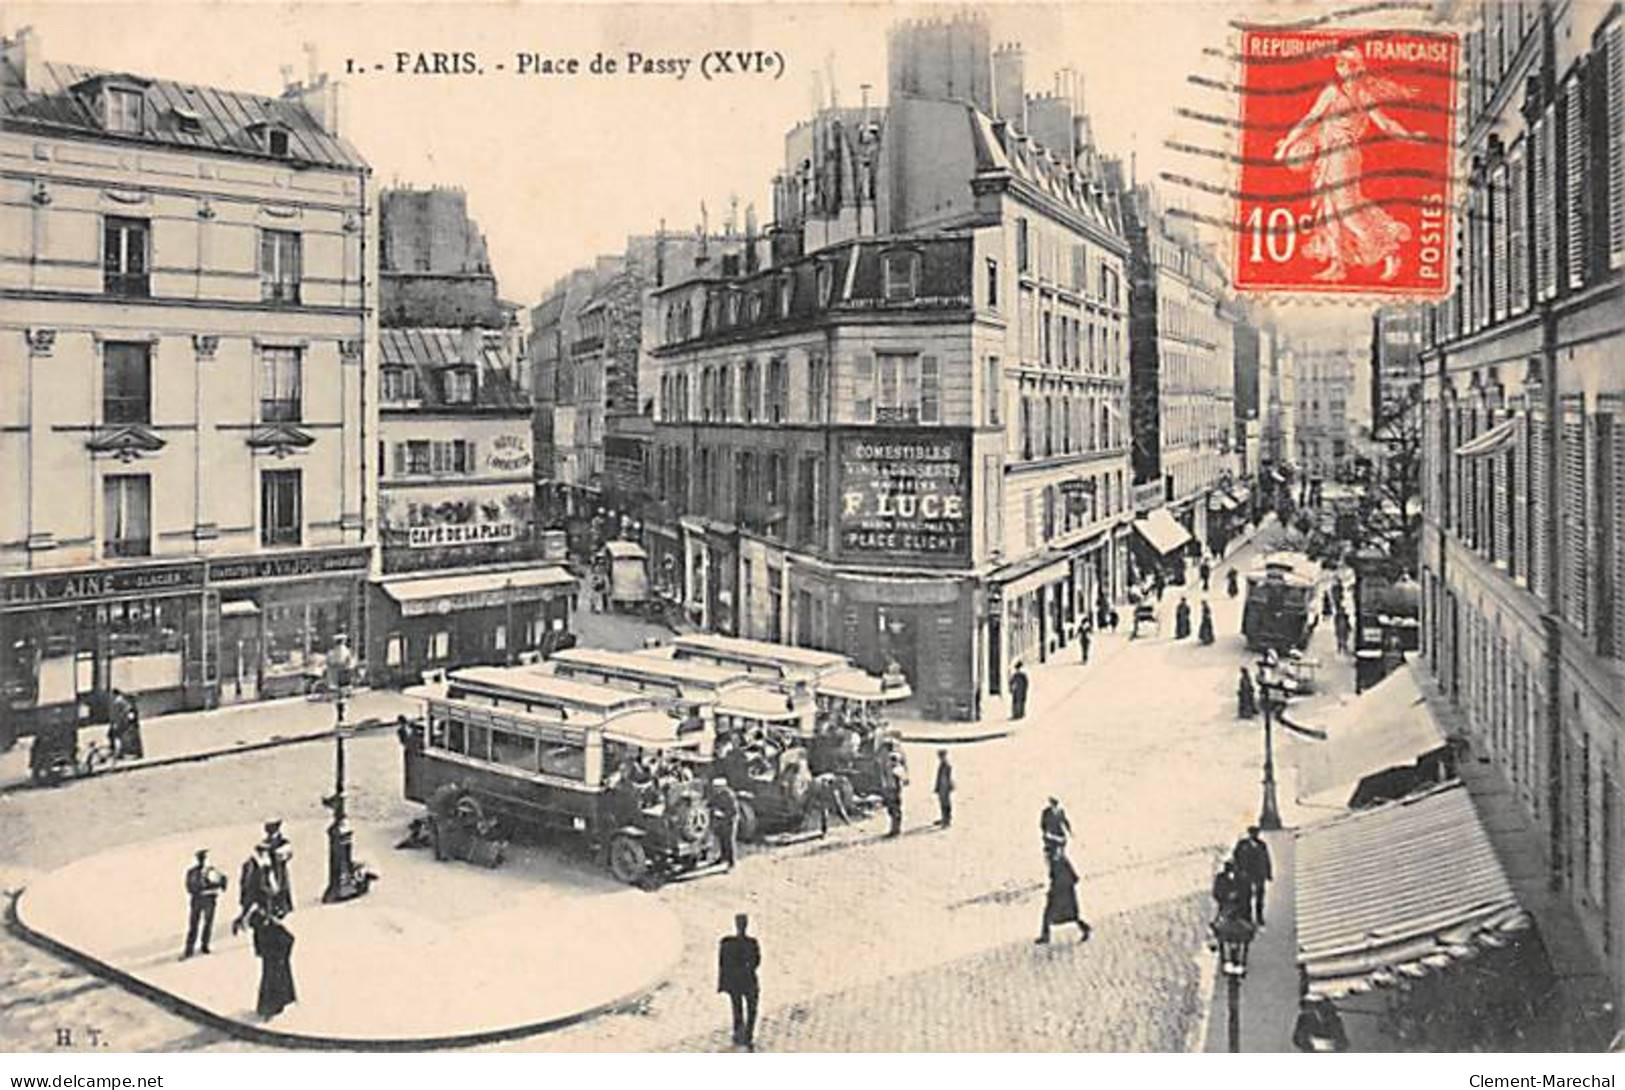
[[1282, 606]]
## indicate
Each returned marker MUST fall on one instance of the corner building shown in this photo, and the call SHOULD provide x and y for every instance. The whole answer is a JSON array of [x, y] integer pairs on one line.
[[185, 352]]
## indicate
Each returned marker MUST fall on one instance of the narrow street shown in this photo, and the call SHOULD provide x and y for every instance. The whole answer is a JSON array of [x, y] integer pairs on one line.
[[934, 929]]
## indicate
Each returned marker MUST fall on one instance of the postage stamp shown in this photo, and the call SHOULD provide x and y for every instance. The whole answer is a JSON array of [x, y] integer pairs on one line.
[[1346, 157]]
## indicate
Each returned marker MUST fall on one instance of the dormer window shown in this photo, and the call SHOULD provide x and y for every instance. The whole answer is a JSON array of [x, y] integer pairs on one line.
[[271, 136], [187, 120], [786, 293], [459, 386], [123, 105], [902, 269], [826, 283]]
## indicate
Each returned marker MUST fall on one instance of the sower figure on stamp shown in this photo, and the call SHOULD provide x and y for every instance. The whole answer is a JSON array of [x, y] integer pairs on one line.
[[738, 958], [203, 886]]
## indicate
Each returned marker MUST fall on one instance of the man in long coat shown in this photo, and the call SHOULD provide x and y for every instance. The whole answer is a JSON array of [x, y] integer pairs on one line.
[[1182, 620], [1083, 641], [725, 818], [1018, 692], [1061, 902], [1254, 870], [1246, 698], [944, 788], [1204, 632], [738, 957]]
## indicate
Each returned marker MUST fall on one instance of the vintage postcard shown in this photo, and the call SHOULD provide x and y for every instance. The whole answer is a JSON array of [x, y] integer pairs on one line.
[[812, 528]]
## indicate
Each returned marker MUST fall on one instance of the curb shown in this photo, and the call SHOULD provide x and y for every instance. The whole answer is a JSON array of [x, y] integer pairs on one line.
[[954, 739], [365, 726], [306, 1042]]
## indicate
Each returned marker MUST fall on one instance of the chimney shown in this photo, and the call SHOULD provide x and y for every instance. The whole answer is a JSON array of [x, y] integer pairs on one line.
[[24, 60], [319, 95], [1010, 85]]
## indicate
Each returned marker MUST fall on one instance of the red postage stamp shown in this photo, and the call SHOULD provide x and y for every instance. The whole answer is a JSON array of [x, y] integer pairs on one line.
[[1346, 159]]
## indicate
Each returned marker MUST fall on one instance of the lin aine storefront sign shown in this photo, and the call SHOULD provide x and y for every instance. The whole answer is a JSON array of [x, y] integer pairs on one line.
[[905, 493]]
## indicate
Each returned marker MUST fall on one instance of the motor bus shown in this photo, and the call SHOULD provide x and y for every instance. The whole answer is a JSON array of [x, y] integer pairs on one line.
[[1282, 605], [553, 754]]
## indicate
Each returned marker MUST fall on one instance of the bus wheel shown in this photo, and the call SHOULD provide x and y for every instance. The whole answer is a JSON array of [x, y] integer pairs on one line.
[[628, 862]]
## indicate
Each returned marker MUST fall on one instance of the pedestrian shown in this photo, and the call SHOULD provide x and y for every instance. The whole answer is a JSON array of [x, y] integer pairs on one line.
[[725, 819], [1326, 603], [1319, 1027], [280, 852], [273, 945], [255, 883], [1018, 691], [1231, 584], [1254, 870], [118, 711], [1340, 622], [1204, 631], [1053, 825], [1229, 898], [1157, 582], [891, 796], [944, 788], [828, 792], [1061, 901], [1246, 699], [1205, 570], [1083, 641], [738, 957], [1182, 619], [203, 886], [1113, 617]]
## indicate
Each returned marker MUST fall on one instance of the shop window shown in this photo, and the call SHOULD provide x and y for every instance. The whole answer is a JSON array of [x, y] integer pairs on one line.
[[439, 646], [127, 515], [127, 383], [514, 750], [279, 266], [281, 382], [393, 650], [499, 637], [125, 263]]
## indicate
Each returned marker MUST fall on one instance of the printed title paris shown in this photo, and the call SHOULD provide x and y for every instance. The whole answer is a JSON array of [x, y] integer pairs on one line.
[[717, 63]]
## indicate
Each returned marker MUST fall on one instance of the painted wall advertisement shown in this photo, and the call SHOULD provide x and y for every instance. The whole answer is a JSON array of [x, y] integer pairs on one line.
[[905, 494]]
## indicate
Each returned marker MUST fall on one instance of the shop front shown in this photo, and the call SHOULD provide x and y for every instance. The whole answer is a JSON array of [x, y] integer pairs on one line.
[[1037, 600], [67, 638], [1162, 545], [275, 618], [924, 626], [424, 623]]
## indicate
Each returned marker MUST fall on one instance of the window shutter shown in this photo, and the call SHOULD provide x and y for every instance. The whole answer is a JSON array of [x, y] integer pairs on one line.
[[863, 382], [1574, 199], [1517, 232], [1616, 520], [1576, 577], [930, 390], [1615, 79], [1500, 503], [1545, 206], [1517, 516], [1540, 512], [1499, 232], [400, 459]]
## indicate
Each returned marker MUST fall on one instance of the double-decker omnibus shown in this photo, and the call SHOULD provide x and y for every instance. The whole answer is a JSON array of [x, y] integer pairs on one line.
[[1281, 609]]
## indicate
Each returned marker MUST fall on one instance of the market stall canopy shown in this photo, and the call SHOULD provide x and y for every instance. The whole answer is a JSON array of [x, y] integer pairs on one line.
[[1493, 441], [1388, 726], [482, 590], [1399, 891], [1162, 531]]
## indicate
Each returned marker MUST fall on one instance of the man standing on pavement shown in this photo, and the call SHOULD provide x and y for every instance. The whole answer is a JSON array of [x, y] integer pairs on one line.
[[203, 886], [1083, 641], [945, 789], [891, 787], [738, 957], [1054, 826], [725, 816], [1018, 691], [1253, 868], [1206, 572], [1340, 623]]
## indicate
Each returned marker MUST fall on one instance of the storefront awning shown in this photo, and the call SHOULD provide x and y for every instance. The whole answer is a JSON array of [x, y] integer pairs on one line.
[[483, 590], [1493, 441], [1026, 584], [1400, 890], [1162, 531], [1387, 727]]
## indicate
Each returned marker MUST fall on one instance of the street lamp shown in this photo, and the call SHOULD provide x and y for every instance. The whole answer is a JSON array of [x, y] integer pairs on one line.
[[343, 880], [1235, 935], [1270, 689]]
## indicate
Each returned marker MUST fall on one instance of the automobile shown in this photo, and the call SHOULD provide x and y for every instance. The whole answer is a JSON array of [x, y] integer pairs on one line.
[[519, 747]]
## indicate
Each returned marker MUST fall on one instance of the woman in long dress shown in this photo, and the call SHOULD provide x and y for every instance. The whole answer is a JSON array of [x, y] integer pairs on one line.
[[1348, 229]]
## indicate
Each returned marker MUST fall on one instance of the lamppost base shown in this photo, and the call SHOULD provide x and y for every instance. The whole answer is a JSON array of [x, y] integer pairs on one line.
[[1269, 815], [342, 880]]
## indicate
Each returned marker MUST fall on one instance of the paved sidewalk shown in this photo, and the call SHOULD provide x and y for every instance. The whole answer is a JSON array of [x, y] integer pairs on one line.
[[1269, 993], [196, 736]]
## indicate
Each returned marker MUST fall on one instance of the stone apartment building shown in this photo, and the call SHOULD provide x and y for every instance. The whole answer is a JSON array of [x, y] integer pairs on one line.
[[907, 438], [1523, 573], [187, 435]]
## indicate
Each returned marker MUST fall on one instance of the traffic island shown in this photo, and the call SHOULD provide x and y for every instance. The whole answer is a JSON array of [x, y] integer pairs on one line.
[[437, 954]]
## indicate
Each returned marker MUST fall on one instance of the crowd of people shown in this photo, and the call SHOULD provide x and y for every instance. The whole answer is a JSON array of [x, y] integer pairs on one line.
[[265, 900]]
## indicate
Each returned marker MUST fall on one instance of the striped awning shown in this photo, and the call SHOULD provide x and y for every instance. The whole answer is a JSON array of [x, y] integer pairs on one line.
[[1400, 890], [1493, 441]]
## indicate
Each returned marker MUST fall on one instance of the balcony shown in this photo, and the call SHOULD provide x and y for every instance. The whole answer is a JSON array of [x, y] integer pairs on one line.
[[280, 410], [128, 285], [128, 546], [283, 292]]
